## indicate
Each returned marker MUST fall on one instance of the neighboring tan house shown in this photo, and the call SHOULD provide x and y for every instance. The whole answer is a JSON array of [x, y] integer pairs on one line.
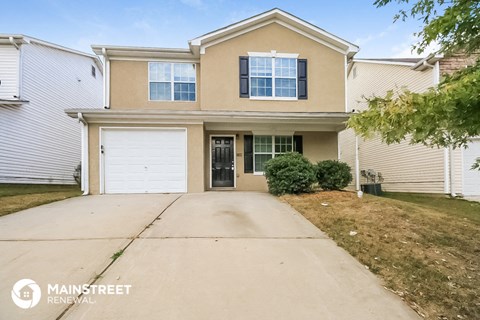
[[406, 167], [39, 143], [210, 116]]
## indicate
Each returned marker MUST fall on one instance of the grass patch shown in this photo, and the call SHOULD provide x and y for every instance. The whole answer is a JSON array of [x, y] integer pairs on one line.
[[459, 207], [117, 254], [15, 197], [426, 250]]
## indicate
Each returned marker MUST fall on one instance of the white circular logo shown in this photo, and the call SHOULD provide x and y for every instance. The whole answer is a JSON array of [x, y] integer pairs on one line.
[[26, 293]]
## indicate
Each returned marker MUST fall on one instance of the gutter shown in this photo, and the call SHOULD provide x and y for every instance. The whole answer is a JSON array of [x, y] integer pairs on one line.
[[106, 79], [85, 155], [12, 41]]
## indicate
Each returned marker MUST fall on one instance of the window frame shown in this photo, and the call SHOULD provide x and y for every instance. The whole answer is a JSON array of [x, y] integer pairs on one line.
[[272, 153], [172, 81], [272, 55]]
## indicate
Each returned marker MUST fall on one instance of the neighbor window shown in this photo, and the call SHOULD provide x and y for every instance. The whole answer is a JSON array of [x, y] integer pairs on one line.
[[171, 81], [273, 77], [267, 147]]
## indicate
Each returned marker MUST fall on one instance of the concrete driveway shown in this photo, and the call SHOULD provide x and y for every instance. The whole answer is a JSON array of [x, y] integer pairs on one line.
[[215, 255]]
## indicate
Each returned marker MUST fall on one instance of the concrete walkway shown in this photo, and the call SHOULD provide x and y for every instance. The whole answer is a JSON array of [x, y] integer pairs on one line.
[[225, 255]]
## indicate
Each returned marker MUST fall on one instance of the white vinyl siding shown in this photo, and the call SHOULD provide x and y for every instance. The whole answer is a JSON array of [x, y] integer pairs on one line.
[[405, 167], [471, 178], [40, 143], [9, 72]]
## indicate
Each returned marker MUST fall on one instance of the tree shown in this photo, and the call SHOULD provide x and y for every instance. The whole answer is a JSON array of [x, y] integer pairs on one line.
[[444, 116]]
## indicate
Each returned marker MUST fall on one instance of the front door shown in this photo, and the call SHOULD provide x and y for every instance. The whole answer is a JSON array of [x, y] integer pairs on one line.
[[223, 162]]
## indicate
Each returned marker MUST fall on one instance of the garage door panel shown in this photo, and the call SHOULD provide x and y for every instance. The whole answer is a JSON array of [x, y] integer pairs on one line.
[[144, 160]]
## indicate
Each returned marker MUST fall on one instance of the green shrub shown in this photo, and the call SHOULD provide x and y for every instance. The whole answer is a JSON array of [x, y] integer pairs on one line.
[[333, 174], [289, 173]]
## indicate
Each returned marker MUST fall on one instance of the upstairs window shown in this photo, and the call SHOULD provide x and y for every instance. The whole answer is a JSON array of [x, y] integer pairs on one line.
[[273, 76], [171, 81]]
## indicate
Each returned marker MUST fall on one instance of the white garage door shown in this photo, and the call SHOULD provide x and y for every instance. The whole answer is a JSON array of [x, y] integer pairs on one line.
[[471, 178], [144, 160]]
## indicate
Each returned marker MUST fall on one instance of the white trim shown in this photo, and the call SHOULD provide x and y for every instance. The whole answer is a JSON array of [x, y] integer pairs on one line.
[[399, 63], [21, 55], [85, 167], [273, 54], [234, 158], [339, 153], [446, 170], [303, 33], [462, 170], [172, 82], [102, 158], [234, 35], [260, 25], [198, 41], [436, 73], [171, 60], [275, 98], [106, 80], [452, 164]]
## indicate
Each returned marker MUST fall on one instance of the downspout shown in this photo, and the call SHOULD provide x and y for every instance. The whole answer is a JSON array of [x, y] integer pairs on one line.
[[357, 166], [447, 161], [85, 155], [448, 173], [12, 41], [106, 79], [346, 83]]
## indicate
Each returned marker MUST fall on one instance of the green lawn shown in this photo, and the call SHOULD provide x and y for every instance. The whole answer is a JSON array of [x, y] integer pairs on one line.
[[458, 207], [16, 197]]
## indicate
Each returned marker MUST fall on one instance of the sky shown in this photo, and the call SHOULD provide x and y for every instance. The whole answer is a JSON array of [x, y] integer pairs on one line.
[[171, 23]]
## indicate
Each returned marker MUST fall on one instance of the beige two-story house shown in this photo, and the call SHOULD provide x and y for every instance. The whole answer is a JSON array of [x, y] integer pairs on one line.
[[210, 116]]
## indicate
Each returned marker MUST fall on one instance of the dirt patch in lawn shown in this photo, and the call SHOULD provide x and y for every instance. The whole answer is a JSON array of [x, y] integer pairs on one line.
[[10, 204], [429, 257]]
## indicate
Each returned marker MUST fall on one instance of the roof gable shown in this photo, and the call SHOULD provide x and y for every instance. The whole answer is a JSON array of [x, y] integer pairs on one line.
[[278, 16]]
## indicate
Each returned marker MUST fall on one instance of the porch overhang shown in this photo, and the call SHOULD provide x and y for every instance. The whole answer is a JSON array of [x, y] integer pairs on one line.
[[221, 120]]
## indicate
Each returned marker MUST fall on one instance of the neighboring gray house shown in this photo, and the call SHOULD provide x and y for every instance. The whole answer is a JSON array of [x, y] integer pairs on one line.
[[406, 167], [39, 143]]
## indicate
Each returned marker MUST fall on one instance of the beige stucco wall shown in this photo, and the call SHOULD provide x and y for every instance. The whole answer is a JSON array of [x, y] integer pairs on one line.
[[129, 88], [317, 146], [220, 72], [218, 76], [195, 148]]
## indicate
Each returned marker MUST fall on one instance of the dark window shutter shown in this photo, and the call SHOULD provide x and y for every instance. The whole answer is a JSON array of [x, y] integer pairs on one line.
[[298, 144], [244, 77], [248, 153], [302, 78]]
